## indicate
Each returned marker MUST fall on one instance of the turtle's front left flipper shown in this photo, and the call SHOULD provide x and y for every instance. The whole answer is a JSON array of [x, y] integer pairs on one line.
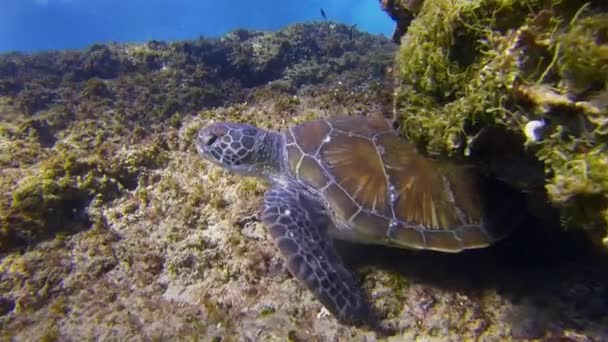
[[298, 224]]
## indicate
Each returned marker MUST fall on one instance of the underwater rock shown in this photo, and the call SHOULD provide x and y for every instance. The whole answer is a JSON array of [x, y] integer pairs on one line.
[[168, 248], [6, 306], [100, 61], [465, 66], [183, 77], [35, 97], [39, 208], [41, 129], [402, 12]]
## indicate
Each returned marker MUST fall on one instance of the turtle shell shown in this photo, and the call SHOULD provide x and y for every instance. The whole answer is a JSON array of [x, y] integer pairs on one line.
[[380, 189]]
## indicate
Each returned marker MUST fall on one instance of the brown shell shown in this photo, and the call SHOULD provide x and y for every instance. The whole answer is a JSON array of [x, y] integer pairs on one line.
[[382, 190]]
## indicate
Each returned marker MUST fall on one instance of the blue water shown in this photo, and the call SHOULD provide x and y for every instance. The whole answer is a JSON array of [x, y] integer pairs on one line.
[[33, 25]]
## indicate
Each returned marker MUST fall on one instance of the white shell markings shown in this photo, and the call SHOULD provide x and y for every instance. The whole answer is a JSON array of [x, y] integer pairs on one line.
[[392, 193], [391, 229], [380, 149]]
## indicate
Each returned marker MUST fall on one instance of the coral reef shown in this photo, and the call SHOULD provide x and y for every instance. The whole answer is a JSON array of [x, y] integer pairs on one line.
[[113, 228], [519, 86]]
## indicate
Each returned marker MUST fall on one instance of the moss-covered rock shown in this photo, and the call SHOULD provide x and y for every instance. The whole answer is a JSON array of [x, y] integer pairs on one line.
[[537, 71], [53, 195], [39, 208], [402, 12], [189, 75], [173, 249], [67, 114]]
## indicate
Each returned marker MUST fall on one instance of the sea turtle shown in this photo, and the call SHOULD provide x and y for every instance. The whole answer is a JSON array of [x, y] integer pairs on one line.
[[354, 178]]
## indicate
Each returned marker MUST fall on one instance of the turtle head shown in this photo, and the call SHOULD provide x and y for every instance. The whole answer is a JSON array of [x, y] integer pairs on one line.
[[233, 146]]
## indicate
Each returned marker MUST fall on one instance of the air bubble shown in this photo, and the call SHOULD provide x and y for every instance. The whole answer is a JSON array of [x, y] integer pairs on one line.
[[327, 139]]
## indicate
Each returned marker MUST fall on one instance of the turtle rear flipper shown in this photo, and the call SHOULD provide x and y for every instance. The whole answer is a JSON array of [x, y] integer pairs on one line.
[[298, 225]]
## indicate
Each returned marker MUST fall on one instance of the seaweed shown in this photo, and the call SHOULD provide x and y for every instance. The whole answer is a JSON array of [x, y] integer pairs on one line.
[[467, 66], [163, 245]]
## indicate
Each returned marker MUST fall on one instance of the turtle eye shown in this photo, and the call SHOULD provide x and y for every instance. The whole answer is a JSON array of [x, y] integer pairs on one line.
[[210, 140]]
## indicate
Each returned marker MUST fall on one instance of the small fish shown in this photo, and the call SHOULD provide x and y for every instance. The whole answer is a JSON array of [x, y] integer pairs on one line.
[[323, 14]]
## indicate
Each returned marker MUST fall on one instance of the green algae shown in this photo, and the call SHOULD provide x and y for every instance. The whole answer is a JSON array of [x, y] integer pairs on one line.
[[583, 53], [54, 196], [108, 131], [464, 66], [267, 311], [176, 215]]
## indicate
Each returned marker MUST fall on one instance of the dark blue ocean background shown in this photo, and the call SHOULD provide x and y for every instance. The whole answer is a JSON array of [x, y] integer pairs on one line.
[[33, 25]]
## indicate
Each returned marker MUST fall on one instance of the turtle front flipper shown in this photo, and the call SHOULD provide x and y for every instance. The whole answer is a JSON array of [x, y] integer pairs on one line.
[[298, 224]]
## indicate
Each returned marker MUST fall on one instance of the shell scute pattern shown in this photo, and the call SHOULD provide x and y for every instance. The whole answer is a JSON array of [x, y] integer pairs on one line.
[[371, 226], [314, 175], [358, 169], [414, 237], [309, 134], [343, 206], [360, 126], [381, 190]]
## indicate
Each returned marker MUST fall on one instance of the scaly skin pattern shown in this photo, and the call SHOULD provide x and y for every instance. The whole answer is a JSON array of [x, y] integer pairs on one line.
[[233, 144], [299, 224]]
